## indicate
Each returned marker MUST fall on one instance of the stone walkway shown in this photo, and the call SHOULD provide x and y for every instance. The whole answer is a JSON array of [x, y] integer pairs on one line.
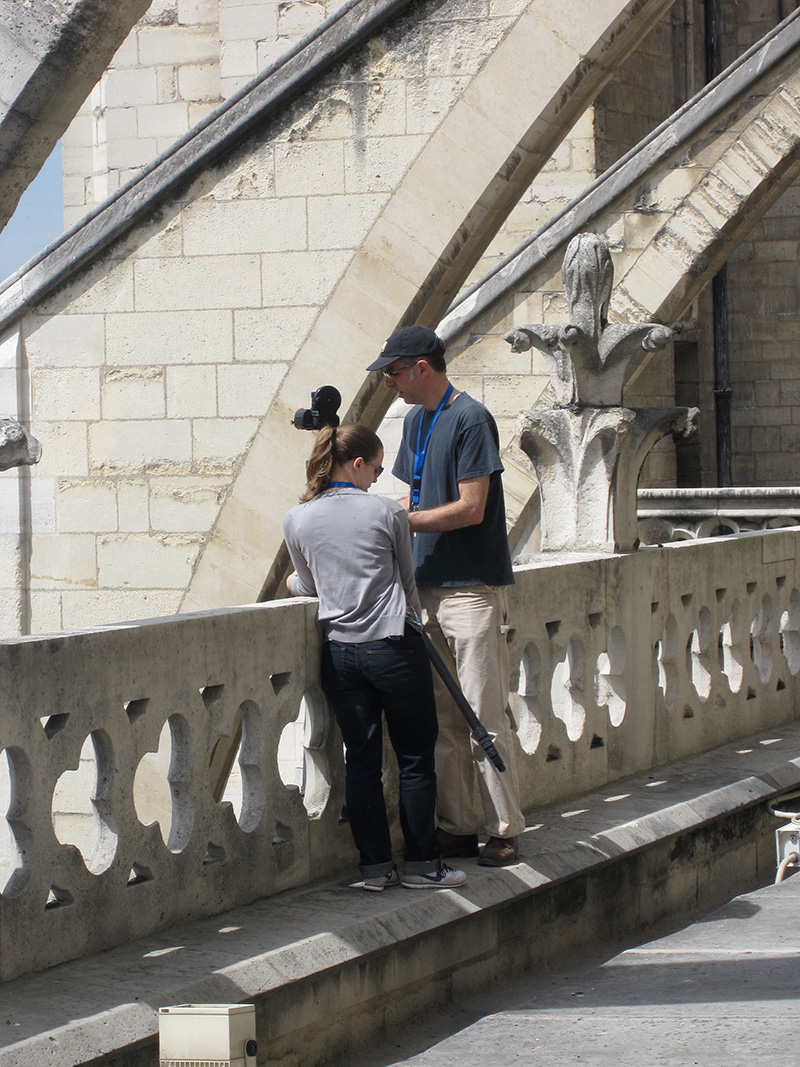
[[330, 967], [723, 992]]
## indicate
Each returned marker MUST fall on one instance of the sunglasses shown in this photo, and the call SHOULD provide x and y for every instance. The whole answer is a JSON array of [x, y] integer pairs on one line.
[[399, 371]]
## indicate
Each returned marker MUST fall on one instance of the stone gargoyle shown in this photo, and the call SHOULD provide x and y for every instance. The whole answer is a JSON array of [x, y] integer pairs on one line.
[[18, 447]]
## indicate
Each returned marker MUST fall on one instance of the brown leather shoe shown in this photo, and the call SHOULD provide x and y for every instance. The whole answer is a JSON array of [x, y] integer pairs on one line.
[[451, 845], [499, 852]]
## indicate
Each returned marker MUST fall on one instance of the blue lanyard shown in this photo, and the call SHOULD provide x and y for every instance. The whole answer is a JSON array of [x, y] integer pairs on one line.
[[422, 448], [341, 485]]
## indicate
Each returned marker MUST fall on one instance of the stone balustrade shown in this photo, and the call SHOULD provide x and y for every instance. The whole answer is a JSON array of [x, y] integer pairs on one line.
[[682, 514], [619, 663]]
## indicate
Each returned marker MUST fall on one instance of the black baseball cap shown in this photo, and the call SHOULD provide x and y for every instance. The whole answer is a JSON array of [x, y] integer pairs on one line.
[[409, 342]]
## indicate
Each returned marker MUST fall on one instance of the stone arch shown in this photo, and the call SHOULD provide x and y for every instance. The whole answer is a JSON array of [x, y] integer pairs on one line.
[[413, 260], [419, 244]]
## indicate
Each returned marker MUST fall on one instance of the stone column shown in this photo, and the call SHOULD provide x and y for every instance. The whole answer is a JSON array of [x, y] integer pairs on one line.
[[588, 463]]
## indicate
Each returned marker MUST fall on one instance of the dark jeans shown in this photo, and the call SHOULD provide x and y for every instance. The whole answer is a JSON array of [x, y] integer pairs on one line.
[[360, 680]]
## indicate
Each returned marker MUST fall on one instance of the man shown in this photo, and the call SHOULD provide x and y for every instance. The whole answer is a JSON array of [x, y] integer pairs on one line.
[[450, 458]]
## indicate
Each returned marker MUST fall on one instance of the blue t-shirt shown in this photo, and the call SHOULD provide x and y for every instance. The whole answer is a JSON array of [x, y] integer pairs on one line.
[[464, 444]]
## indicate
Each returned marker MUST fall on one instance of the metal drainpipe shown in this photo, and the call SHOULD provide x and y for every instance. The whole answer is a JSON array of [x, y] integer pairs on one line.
[[719, 290], [688, 47]]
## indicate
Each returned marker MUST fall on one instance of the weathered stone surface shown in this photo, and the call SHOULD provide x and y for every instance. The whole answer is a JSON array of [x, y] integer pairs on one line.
[[409, 243], [587, 451], [587, 464], [409, 959], [588, 358], [385, 255]]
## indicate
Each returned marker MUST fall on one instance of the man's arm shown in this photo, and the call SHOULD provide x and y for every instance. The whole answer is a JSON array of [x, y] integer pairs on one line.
[[468, 510]]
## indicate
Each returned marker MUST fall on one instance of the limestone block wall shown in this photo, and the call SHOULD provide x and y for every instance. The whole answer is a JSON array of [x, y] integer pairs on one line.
[[654, 80], [51, 54], [180, 61], [671, 212], [764, 317], [150, 373], [152, 370], [283, 264], [569, 170], [445, 154], [254, 35], [762, 314], [763, 308], [165, 78], [246, 47], [162, 80]]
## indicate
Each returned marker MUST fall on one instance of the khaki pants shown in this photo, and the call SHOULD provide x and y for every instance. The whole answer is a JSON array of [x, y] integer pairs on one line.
[[467, 626]]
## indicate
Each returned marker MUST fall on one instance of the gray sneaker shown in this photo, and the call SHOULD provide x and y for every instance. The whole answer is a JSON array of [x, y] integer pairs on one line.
[[444, 878], [379, 882]]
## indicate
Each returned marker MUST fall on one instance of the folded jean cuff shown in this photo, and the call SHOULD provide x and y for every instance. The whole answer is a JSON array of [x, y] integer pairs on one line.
[[375, 870], [421, 866]]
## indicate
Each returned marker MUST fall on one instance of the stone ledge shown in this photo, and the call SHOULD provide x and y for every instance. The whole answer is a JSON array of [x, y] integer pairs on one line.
[[678, 840]]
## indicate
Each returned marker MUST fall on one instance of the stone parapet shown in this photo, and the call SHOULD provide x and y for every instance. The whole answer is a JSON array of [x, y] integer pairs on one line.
[[683, 514], [612, 865], [619, 664]]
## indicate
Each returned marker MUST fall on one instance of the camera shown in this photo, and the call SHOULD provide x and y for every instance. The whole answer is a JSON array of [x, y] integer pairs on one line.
[[325, 403]]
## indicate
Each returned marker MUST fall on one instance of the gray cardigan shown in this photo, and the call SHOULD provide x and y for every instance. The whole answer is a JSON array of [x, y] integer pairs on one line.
[[353, 551]]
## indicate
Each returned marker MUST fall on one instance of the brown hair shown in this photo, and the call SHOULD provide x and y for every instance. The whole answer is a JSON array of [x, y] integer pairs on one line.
[[336, 446]]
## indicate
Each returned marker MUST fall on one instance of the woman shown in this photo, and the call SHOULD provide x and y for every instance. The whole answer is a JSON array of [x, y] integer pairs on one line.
[[353, 551]]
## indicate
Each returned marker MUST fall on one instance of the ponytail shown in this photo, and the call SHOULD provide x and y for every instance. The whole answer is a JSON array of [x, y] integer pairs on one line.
[[335, 446], [320, 464]]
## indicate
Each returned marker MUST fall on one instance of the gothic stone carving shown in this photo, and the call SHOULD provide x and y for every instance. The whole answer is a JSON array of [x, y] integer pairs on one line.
[[588, 450]]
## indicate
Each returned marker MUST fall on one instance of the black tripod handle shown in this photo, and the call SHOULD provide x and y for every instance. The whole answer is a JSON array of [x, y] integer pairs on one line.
[[478, 730]]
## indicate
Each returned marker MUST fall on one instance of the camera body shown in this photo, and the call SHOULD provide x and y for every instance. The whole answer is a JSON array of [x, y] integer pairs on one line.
[[325, 402]]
